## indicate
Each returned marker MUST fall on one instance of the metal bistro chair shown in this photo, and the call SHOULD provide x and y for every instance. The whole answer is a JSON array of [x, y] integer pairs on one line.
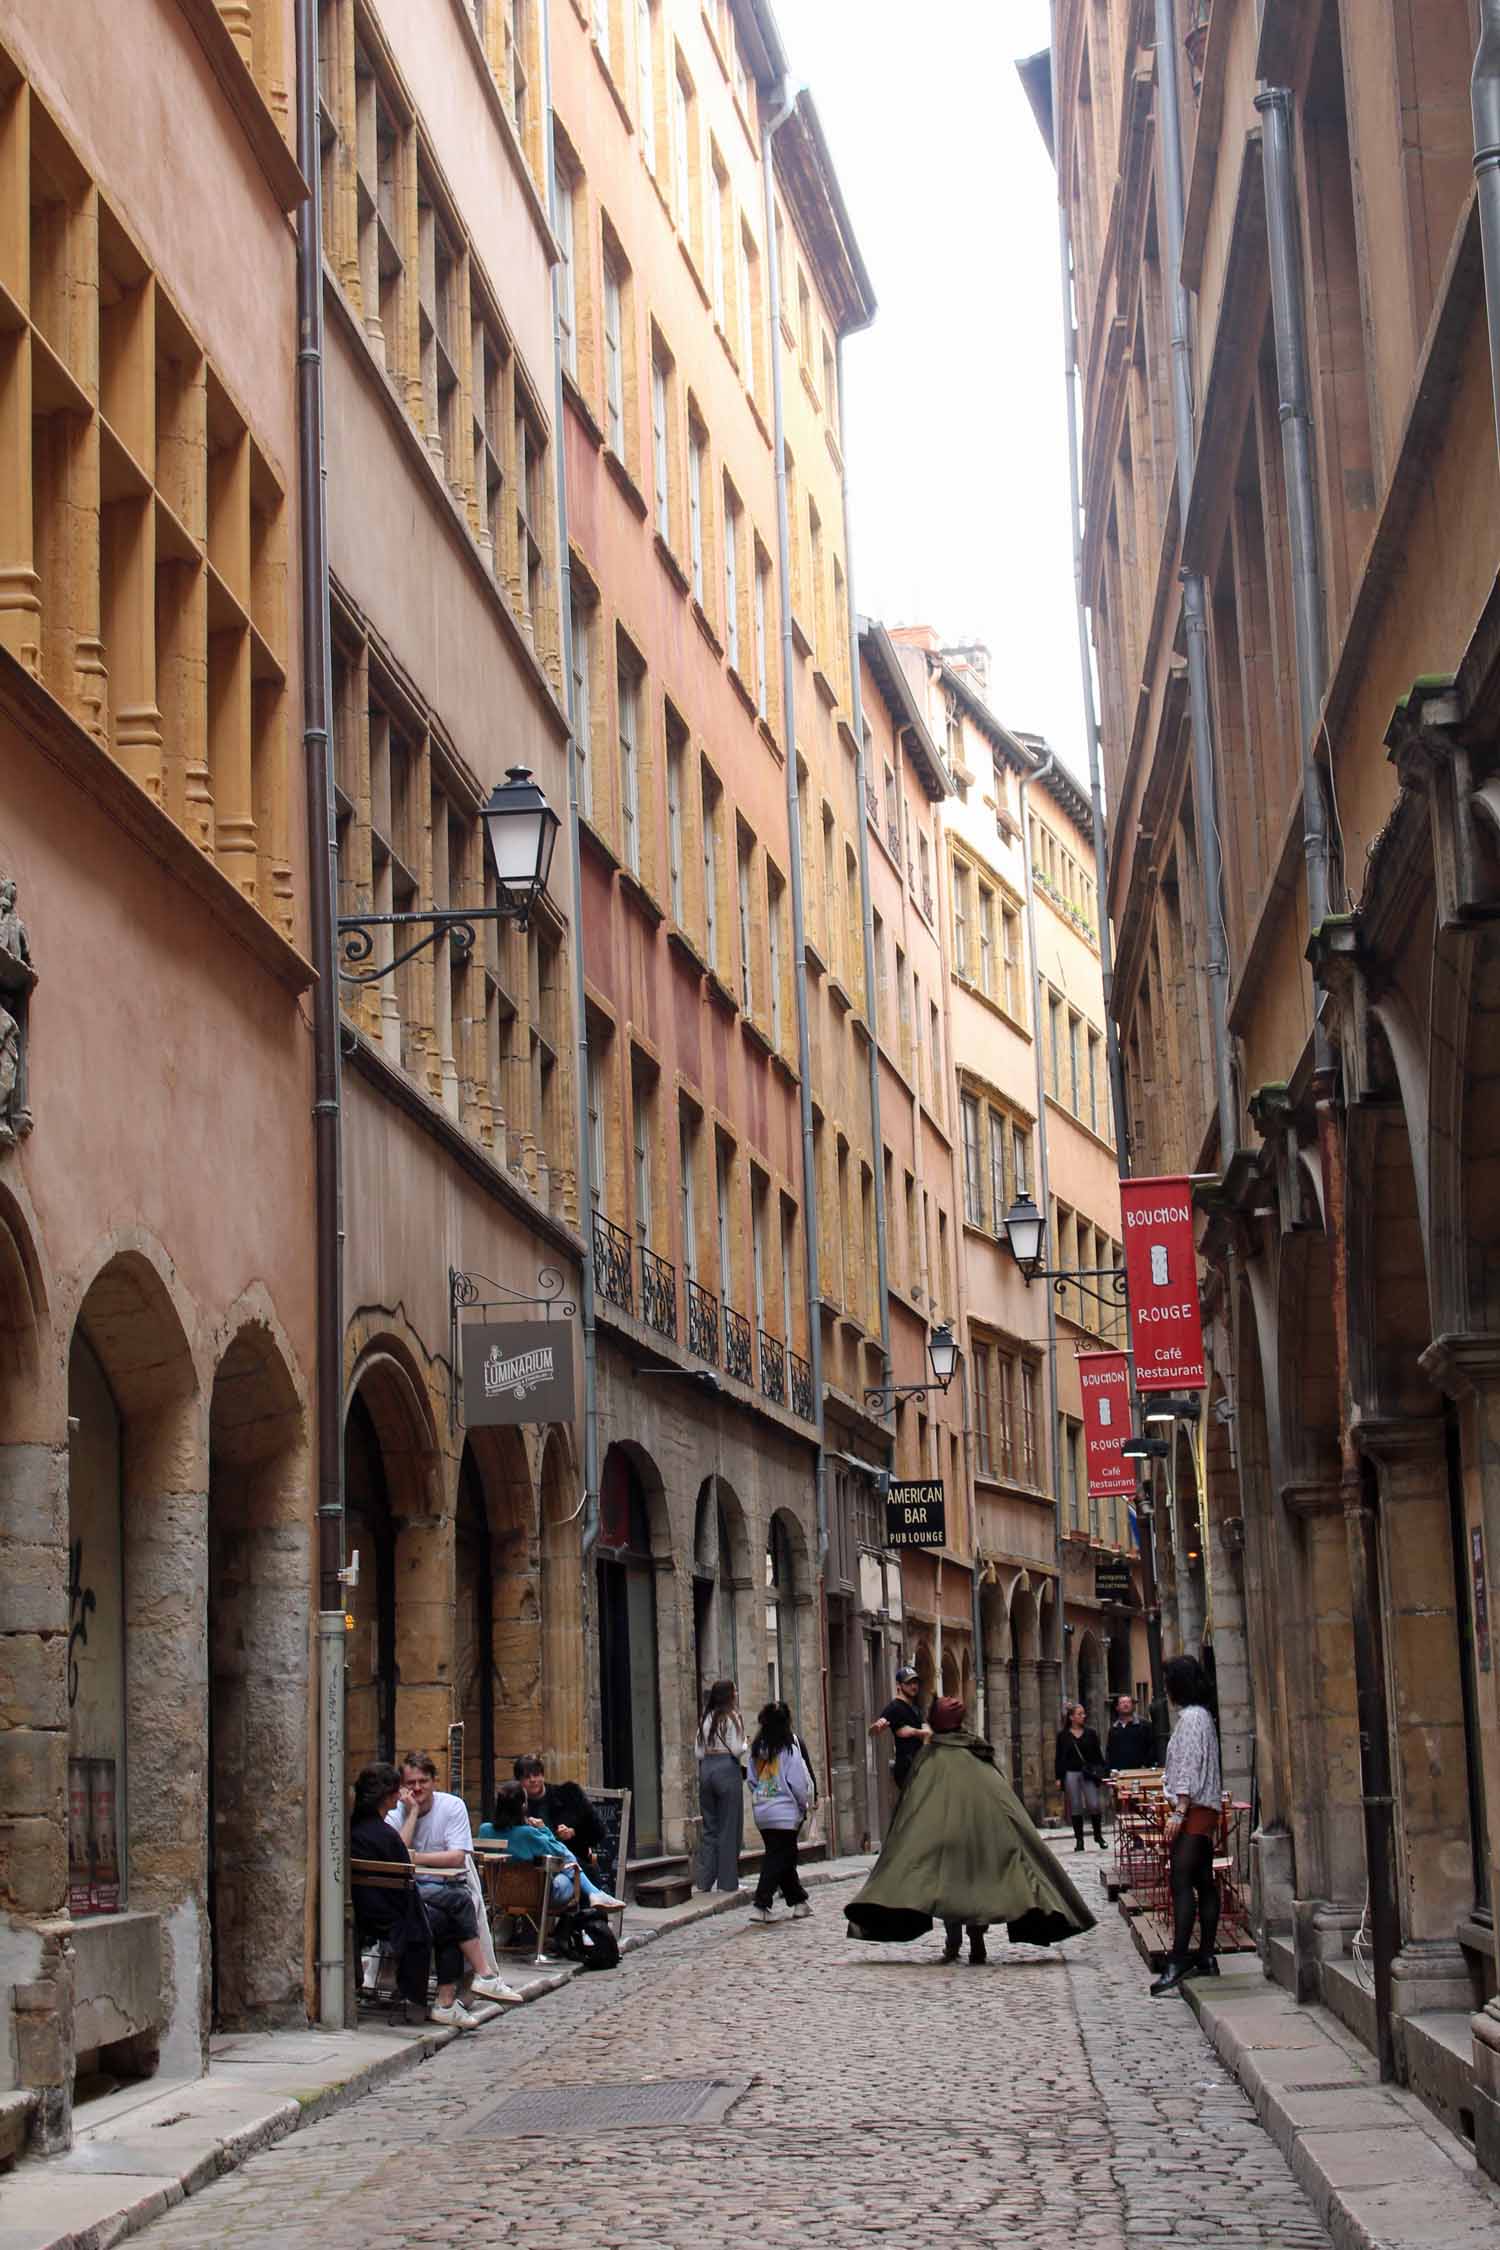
[[522, 1890]]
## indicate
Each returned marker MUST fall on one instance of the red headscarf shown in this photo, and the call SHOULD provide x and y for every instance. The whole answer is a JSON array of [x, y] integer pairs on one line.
[[947, 1715]]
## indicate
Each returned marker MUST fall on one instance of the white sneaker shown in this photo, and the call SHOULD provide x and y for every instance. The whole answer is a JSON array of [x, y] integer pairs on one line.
[[801, 1913], [455, 2018], [763, 1914], [496, 1988]]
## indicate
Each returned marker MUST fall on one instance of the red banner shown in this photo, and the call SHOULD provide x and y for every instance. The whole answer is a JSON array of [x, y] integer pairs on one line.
[[1161, 1271], [1105, 1379]]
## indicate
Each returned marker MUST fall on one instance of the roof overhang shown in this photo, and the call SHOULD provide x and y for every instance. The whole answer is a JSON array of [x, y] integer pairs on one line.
[[764, 52], [1035, 74], [879, 653], [810, 184]]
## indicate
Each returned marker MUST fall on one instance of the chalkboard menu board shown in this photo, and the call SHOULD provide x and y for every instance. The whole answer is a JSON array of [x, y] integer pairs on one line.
[[611, 1808]]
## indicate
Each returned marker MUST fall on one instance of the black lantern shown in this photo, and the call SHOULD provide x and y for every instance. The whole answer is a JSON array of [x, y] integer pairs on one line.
[[942, 1355], [522, 828], [1024, 1228]]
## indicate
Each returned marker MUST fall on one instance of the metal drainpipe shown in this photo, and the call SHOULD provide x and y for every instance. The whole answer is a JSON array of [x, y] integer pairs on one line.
[[1484, 93], [322, 865], [769, 129], [1044, 1203], [1194, 602], [590, 1528], [1361, 1531]]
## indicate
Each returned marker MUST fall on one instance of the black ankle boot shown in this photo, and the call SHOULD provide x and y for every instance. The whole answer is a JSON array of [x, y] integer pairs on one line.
[[952, 1944], [1078, 1835], [977, 1953], [1099, 1837], [1203, 1965], [1170, 1978]]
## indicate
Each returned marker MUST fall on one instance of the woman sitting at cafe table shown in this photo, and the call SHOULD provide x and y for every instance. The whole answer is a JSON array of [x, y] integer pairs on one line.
[[528, 1839]]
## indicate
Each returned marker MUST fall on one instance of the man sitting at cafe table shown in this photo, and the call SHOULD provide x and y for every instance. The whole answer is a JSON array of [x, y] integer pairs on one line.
[[434, 1826], [562, 1806]]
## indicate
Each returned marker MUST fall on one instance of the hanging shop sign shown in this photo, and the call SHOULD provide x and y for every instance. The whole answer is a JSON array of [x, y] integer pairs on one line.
[[517, 1371], [915, 1515], [1161, 1271], [1112, 1582], [1105, 1379]]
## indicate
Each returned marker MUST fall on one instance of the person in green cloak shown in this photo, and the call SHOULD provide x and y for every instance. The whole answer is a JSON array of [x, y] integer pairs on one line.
[[962, 1851]]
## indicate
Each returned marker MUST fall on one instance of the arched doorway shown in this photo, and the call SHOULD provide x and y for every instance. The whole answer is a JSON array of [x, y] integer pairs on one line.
[[1026, 1708], [783, 1597], [137, 1678], [718, 1578], [564, 1696], [1091, 1680], [629, 1692], [474, 1582], [258, 1581], [497, 1612], [370, 1533], [399, 1693]]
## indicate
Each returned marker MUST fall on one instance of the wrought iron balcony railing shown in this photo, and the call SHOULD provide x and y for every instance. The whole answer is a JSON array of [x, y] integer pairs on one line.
[[802, 1386], [658, 1294], [739, 1359], [614, 1267], [772, 1369], [702, 1322]]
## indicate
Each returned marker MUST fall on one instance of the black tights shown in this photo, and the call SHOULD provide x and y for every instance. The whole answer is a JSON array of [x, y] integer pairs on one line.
[[1098, 1830], [1195, 1896]]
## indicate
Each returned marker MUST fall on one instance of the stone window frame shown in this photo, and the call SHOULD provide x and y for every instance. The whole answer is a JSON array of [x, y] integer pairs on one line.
[[767, 698], [713, 804], [778, 957], [687, 197], [668, 499]]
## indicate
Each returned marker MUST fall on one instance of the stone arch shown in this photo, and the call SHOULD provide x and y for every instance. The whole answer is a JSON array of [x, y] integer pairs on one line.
[[639, 1657], [791, 1658], [926, 1670], [138, 1595], [497, 1609], [564, 1696], [400, 1687], [994, 1658], [949, 1671], [259, 1577], [724, 1635]]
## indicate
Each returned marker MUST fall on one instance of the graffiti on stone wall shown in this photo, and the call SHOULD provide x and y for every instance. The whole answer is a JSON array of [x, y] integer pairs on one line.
[[82, 1602]]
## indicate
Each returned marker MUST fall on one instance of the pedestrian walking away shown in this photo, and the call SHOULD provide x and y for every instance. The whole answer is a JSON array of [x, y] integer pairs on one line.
[[1079, 1766], [962, 1851], [902, 1721], [721, 1746], [781, 1790], [1193, 1787]]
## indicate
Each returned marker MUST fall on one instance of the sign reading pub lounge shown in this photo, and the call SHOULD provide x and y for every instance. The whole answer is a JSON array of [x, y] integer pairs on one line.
[[915, 1515], [517, 1371]]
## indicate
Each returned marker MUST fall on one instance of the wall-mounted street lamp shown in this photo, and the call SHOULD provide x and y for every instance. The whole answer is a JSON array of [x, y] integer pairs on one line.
[[942, 1358], [521, 828], [1026, 1232], [1145, 1449]]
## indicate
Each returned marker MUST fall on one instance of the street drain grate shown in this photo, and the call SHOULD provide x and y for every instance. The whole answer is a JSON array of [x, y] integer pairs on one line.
[[581, 2111], [1329, 2086]]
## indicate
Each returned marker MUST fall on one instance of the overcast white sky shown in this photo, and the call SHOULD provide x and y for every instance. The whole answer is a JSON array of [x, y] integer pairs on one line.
[[954, 399]]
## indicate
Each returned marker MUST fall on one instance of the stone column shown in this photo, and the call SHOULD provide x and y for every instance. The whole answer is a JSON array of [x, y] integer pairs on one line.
[[1049, 1684], [1028, 1781], [1325, 1810], [1433, 1843]]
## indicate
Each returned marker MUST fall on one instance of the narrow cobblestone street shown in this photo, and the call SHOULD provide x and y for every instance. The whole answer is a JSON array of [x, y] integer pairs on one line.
[[1044, 2100]]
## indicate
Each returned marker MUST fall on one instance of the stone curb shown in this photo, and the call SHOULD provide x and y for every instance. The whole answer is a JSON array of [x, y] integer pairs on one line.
[[1325, 2152], [282, 2118]]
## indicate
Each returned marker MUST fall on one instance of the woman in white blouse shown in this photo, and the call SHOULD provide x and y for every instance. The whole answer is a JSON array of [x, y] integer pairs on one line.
[[721, 1748], [1193, 1788]]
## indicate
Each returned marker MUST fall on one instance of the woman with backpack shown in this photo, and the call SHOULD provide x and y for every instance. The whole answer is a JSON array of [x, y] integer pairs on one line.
[[781, 1794], [721, 1746]]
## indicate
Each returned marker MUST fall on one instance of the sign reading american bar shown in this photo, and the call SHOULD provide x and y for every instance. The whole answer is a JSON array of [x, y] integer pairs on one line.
[[915, 1515], [517, 1371], [1105, 1381], [1161, 1273]]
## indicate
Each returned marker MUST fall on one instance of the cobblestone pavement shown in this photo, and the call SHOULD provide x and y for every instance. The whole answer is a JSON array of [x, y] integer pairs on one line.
[[1044, 2101]]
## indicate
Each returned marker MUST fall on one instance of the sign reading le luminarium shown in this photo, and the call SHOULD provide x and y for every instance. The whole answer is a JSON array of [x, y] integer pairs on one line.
[[1161, 1271], [518, 1371], [915, 1516]]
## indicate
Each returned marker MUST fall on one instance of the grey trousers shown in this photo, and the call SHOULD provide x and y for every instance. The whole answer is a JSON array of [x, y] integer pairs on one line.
[[721, 1799]]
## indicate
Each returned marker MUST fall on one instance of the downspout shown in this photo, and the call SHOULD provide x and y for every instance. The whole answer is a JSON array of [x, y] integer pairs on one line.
[[1361, 1531], [1194, 601], [1484, 92], [590, 1528], [769, 129], [1145, 1514], [322, 866], [1044, 1205]]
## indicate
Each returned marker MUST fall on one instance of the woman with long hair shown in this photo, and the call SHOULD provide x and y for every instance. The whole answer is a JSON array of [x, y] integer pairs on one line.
[[781, 1791], [1079, 1766], [720, 1746], [1192, 1785]]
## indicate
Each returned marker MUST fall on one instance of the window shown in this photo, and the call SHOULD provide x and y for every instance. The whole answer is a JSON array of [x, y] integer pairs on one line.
[[999, 1201], [804, 320], [744, 870], [830, 386], [903, 1013], [642, 1140], [815, 551], [1054, 1045], [659, 440], [645, 69], [1014, 994], [1020, 1141], [696, 444], [533, 502], [830, 887], [973, 1162], [614, 366], [759, 1188], [1028, 1421], [684, 110], [723, 1214], [983, 1368], [986, 939], [712, 814], [935, 1026], [1005, 1430], [748, 292], [1093, 1080], [731, 576], [913, 1243], [1075, 1068], [687, 1187], [715, 242], [775, 907], [440, 307], [877, 933], [598, 1099], [676, 772], [629, 691], [567, 279], [960, 919], [581, 632], [762, 635], [788, 1268]]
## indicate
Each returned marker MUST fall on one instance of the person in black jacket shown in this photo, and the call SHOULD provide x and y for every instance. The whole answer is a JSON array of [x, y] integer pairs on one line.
[[1079, 1766], [563, 1807], [1131, 1743], [395, 1917]]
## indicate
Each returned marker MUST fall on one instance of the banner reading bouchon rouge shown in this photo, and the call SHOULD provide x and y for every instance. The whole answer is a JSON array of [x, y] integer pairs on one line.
[[1161, 1272], [1105, 1379]]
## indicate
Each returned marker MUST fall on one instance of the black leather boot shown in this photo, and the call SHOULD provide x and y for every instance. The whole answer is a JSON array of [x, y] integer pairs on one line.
[[977, 1953], [952, 1941], [1170, 1978], [1202, 1965]]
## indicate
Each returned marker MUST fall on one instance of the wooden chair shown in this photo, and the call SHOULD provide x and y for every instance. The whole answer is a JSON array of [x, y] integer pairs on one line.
[[379, 1875], [522, 1890]]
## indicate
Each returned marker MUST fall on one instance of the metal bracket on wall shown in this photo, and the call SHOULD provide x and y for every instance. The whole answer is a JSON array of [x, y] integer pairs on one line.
[[465, 1294]]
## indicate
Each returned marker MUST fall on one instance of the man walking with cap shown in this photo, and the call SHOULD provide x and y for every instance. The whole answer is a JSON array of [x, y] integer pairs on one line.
[[902, 1721]]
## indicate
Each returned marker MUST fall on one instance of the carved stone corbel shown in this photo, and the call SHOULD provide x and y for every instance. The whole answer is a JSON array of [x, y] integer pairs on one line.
[[1341, 969], [1462, 795]]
